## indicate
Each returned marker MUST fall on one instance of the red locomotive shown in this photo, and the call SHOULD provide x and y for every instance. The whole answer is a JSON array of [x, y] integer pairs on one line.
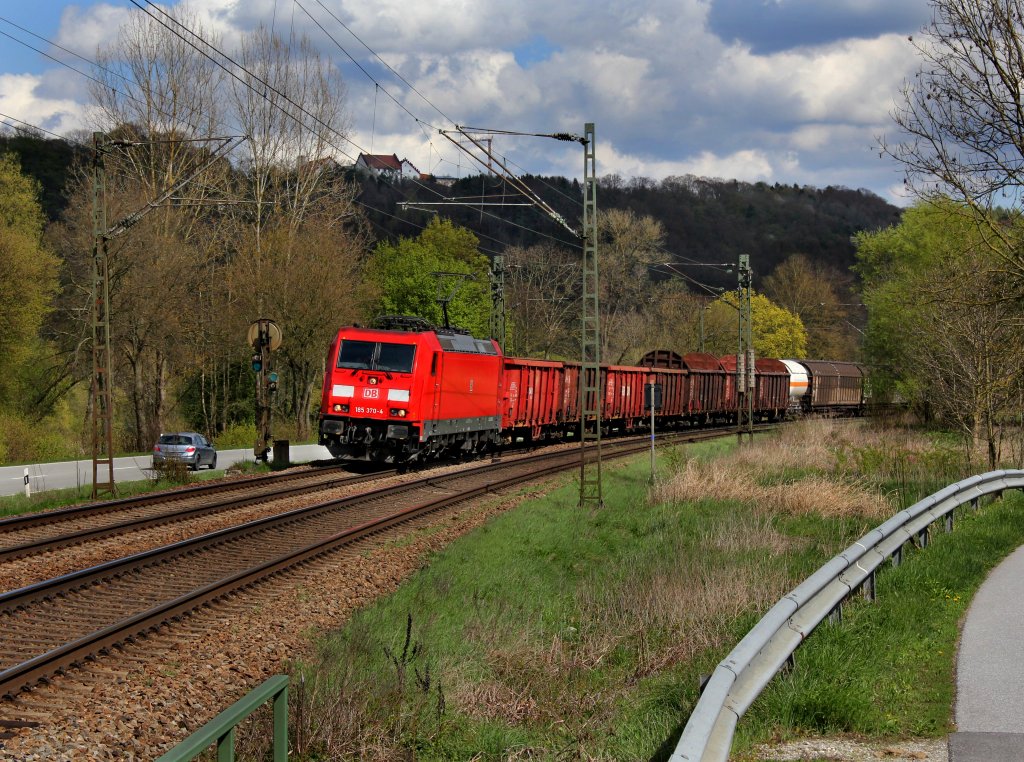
[[410, 392]]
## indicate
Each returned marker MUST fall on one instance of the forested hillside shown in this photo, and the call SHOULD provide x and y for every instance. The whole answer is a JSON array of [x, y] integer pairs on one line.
[[704, 219]]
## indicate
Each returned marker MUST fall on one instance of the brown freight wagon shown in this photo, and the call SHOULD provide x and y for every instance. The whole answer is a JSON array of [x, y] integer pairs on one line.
[[835, 388]]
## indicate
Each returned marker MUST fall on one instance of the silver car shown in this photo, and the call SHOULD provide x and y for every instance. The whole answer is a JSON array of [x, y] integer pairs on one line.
[[187, 447]]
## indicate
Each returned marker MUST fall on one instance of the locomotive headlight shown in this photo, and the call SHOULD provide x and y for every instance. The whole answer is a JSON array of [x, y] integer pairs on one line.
[[398, 412], [373, 380], [344, 408], [337, 408], [402, 413]]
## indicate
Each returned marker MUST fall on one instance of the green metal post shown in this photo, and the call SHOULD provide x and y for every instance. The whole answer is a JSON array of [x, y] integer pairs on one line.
[[226, 746], [590, 372], [281, 725], [221, 729]]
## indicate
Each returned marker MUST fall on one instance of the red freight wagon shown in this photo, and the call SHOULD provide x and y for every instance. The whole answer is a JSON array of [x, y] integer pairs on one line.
[[706, 394], [623, 395], [533, 397], [771, 397], [674, 384], [571, 394], [398, 395], [669, 371], [771, 386]]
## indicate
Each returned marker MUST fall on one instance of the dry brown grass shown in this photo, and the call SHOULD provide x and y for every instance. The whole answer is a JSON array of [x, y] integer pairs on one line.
[[823, 446], [684, 603], [831, 497]]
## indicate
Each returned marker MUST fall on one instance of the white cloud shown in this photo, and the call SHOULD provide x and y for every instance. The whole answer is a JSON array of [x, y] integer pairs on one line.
[[87, 29], [852, 81], [20, 99], [662, 88]]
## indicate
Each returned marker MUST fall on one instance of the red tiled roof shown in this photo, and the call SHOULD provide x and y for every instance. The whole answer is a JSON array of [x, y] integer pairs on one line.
[[380, 161]]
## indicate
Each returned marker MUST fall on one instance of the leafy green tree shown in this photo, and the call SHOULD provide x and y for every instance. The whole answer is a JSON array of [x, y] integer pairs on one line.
[[776, 331], [944, 321], [28, 278], [405, 274]]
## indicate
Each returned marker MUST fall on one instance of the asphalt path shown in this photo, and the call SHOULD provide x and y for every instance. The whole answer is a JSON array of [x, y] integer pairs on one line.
[[989, 709], [74, 473]]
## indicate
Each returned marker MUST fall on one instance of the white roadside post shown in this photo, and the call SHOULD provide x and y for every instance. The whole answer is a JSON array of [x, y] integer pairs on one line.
[[28, 489]]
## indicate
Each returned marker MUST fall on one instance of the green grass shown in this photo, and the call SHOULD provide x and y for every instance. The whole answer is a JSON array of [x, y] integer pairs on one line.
[[555, 632], [887, 669], [545, 633]]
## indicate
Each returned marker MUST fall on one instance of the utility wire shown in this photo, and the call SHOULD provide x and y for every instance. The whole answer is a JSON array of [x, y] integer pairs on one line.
[[234, 76], [257, 79], [559, 136]]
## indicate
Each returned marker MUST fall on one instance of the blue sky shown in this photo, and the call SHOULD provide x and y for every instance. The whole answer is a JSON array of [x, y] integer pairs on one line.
[[789, 91]]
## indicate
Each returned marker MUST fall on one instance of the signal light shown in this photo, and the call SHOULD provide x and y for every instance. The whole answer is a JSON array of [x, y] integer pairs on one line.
[[272, 381], [257, 362]]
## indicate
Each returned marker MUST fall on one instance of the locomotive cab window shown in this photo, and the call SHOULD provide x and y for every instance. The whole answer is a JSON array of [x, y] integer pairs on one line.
[[357, 355], [370, 355], [396, 358]]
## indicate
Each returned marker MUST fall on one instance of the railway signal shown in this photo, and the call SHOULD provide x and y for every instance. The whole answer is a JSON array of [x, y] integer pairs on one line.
[[264, 336]]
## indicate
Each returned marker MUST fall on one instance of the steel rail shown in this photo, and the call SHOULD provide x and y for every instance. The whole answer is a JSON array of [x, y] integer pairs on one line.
[[22, 520], [739, 678], [276, 491], [92, 644]]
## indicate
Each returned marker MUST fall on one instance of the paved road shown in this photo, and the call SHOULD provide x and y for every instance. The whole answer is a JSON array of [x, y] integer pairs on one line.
[[989, 709], [72, 473]]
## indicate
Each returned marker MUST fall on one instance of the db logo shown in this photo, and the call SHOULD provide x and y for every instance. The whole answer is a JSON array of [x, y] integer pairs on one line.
[[371, 392]]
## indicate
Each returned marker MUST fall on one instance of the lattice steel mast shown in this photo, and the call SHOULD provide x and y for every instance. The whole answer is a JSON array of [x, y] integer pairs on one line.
[[745, 360], [100, 385], [590, 370], [590, 373]]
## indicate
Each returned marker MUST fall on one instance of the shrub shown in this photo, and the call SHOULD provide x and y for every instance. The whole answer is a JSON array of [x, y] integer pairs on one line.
[[237, 435]]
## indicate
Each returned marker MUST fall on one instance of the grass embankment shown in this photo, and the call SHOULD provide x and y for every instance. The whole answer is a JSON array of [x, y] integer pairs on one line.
[[555, 632]]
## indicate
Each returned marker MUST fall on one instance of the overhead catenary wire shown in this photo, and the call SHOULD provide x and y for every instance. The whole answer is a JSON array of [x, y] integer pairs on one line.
[[265, 84], [129, 96], [377, 84]]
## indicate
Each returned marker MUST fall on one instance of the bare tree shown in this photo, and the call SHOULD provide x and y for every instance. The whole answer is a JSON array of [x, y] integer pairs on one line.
[[298, 241], [963, 113], [812, 292], [543, 284], [152, 88], [289, 101], [967, 355], [310, 281], [629, 246]]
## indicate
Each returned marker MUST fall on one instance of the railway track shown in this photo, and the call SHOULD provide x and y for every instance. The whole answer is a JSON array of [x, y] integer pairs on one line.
[[55, 625], [34, 533]]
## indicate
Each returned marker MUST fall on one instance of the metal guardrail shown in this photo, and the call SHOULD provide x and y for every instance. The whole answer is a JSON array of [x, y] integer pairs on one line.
[[739, 678], [221, 729]]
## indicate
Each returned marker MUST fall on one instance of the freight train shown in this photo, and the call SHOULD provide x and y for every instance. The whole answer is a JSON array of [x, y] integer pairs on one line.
[[411, 392]]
